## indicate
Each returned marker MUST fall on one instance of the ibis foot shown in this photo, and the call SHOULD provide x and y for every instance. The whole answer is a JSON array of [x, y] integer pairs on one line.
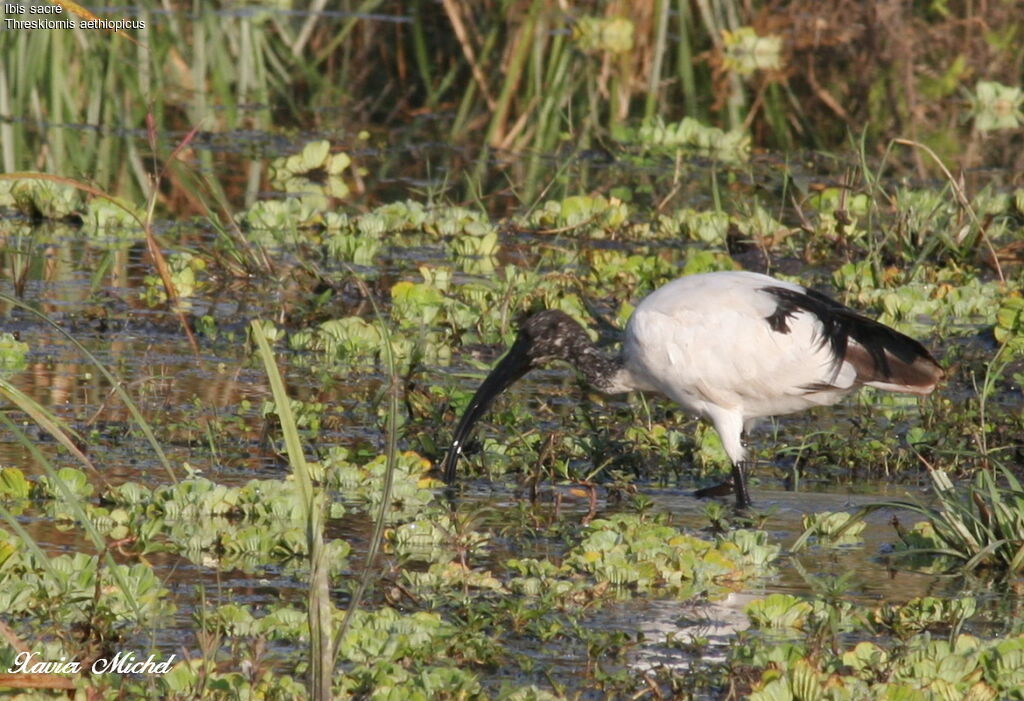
[[737, 486]]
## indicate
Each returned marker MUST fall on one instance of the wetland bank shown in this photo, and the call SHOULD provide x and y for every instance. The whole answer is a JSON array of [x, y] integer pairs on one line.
[[250, 284]]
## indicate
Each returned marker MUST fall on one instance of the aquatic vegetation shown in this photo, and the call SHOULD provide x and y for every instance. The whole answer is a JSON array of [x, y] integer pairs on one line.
[[59, 592], [284, 222], [831, 529], [198, 677], [12, 352], [361, 248], [612, 271], [308, 415], [13, 484], [980, 529], [926, 669], [112, 223], [36, 197], [360, 485], [779, 611], [746, 52], [247, 527], [946, 299], [631, 552], [924, 613], [314, 174], [922, 665], [707, 226], [74, 483], [415, 304], [184, 269], [476, 250], [729, 146], [350, 337], [1009, 326], [452, 221], [441, 579], [581, 215], [383, 652], [995, 106], [436, 540]]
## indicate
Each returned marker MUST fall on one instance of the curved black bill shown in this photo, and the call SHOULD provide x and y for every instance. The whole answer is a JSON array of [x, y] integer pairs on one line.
[[514, 365]]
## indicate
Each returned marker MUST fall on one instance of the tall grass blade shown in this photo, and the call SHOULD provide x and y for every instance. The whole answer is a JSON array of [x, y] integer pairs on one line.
[[513, 75], [7, 145], [654, 80], [321, 655]]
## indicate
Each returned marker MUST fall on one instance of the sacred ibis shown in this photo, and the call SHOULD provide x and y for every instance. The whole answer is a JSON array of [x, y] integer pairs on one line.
[[729, 346]]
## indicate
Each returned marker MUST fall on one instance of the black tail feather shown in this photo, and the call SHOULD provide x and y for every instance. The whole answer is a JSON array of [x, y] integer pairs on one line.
[[880, 354]]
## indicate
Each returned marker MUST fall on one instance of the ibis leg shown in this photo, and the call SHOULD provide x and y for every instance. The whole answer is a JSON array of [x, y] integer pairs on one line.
[[739, 484]]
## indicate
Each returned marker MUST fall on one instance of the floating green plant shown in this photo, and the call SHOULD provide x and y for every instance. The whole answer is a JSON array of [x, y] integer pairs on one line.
[[12, 352], [360, 485], [313, 174], [112, 223], [996, 106], [689, 133], [831, 529], [435, 539], [746, 52], [630, 552], [778, 611], [245, 527], [13, 484], [593, 216], [959, 667], [184, 270], [924, 613], [284, 222], [359, 248], [416, 304], [44, 198], [61, 591], [1009, 327]]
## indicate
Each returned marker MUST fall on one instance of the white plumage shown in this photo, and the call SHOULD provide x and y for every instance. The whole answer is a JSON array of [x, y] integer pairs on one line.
[[729, 346]]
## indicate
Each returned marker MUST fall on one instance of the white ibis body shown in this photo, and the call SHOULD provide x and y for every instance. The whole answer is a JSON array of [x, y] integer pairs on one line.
[[731, 347]]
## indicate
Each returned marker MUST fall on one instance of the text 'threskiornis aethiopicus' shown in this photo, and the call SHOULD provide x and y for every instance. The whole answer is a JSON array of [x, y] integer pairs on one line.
[[731, 347]]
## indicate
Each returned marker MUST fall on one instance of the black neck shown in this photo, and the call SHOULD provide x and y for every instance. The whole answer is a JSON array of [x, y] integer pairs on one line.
[[599, 369]]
